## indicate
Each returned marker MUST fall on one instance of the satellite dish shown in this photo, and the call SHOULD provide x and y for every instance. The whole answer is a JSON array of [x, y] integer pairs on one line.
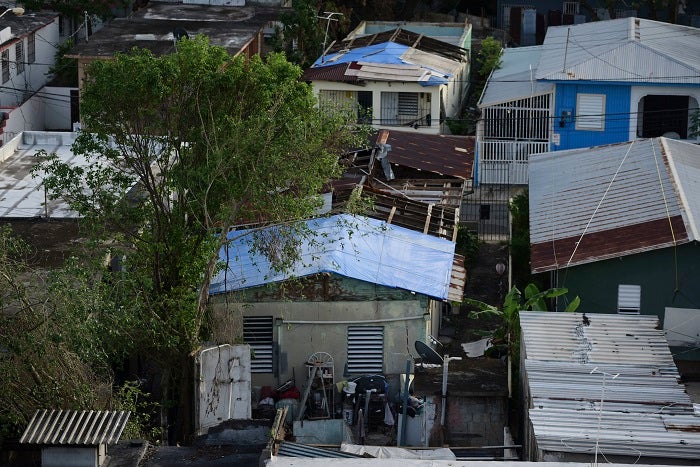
[[427, 354]]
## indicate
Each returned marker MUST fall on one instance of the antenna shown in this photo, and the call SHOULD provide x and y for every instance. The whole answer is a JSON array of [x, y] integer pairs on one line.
[[566, 49], [328, 18]]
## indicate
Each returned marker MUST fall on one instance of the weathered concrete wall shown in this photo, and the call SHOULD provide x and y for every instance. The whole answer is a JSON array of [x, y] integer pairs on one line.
[[223, 385], [303, 328], [331, 431], [252, 434]]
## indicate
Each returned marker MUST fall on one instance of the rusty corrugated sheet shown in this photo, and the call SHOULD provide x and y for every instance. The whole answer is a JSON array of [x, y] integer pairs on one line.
[[458, 279], [445, 155], [75, 427], [597, 203]]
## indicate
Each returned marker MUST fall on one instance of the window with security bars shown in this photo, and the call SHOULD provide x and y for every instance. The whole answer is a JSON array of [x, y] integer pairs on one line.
[[257, 332], [19, 56], [31, 48], [365, 349], [5, 59]]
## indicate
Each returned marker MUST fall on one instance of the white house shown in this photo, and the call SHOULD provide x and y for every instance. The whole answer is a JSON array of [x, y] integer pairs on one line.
[[28, 46], [397, 77]]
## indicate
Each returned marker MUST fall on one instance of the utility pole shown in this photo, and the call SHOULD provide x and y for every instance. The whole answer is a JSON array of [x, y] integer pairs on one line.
[[328, 18]]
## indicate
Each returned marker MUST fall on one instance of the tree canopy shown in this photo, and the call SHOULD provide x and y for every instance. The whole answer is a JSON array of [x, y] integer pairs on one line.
[[182, 148]]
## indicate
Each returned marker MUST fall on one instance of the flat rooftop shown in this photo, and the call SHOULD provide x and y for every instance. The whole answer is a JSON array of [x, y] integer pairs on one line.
[[153, 28], [21, 195]]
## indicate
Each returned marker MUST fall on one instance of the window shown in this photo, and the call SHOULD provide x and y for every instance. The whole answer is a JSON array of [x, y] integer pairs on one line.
[[19, 56], [629, 299], [365, 349], [257, 332], [5, 58], [31, 48], [570, 8], [590, 112]]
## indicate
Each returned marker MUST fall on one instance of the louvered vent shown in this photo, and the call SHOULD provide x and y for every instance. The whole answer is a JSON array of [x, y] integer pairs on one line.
[[257, 332], [365, 349]]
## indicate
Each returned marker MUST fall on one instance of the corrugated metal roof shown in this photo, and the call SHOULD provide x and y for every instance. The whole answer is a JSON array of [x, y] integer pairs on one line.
[[515, 78], [289, 449], [625, 49], [397, 55], [684, 161], [609, 201], [352, 246], [75, 427], [569, 357], [444, 155]]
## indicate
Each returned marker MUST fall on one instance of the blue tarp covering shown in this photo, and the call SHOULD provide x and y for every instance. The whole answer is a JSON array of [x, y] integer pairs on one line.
[[357, 247], [387, 53]]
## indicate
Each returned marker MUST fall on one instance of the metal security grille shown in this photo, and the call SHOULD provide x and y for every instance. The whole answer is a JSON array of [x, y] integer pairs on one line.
[[5, 58], [19, 56], [257, 332], [408, 104], [31, 48], [365, 349]]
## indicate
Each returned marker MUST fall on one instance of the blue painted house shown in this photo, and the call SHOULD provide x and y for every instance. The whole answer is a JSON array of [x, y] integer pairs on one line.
[[587, 85]]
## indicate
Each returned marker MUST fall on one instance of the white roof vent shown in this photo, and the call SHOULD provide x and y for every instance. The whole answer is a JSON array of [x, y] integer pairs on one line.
[[629, 299]]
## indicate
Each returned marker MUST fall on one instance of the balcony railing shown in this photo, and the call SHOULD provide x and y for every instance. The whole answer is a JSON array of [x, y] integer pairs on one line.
[[505, 162]]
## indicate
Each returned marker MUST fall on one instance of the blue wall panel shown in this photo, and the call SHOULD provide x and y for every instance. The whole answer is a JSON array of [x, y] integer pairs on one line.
[[617, 110]]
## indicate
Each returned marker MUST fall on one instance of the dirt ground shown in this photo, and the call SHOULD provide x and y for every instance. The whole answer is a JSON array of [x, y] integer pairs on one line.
[[483, 284]]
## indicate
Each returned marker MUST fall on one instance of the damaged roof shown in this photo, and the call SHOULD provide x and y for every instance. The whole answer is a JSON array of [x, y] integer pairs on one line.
[[592, 204], [154, 27], [352, 246], [606, 382], [396, 55]]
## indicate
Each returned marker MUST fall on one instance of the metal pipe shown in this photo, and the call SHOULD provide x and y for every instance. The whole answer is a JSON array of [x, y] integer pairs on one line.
[[360, 321], [404, 405]]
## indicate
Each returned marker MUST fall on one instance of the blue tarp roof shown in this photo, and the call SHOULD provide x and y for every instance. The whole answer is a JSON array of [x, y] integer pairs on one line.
[[352, 246], [390, 53]]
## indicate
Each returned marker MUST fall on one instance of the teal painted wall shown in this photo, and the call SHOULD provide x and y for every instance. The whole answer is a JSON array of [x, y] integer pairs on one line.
[[596, 283]]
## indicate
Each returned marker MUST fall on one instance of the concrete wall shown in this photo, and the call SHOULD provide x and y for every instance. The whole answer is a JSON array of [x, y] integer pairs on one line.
[[331, 431], [223, 385], [74, 456], [470, 421], [35, 75], [58, 109], [303, 328], [29, 116], [377, 87]]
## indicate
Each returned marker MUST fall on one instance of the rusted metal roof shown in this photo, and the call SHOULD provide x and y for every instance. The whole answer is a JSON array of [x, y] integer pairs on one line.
[[605, 381], [458, 279], [329, 73], [444, 155], [592, 204], [75, 427], [403, 37], [395, 209]]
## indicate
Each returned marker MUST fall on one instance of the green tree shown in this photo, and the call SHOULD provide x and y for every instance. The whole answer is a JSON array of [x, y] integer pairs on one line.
[[304, 30], [50, 352], [506, 336], [181, 148]]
